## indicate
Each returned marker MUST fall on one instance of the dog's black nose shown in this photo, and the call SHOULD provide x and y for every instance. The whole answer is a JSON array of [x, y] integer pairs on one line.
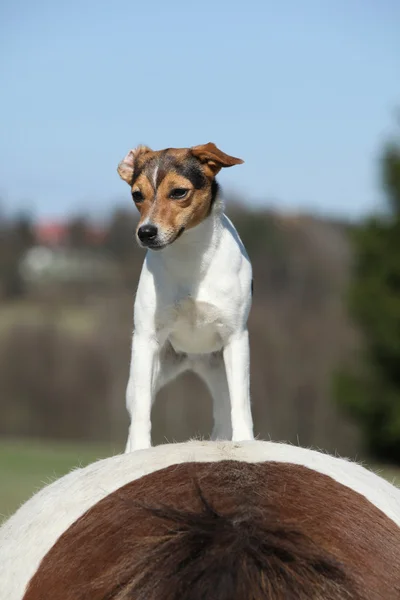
[[147, 233]]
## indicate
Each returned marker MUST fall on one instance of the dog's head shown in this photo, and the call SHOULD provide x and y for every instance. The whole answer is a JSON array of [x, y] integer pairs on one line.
[[173, 189]]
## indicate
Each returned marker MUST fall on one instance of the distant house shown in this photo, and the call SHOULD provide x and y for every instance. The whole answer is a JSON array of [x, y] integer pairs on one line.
[[53, 233], [53, 260]]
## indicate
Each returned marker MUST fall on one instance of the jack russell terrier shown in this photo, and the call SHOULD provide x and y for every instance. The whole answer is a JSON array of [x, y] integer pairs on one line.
[[195, 288]]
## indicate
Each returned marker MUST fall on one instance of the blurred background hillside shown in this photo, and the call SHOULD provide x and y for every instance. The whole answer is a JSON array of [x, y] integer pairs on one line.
[[307, 96], [66, 324]]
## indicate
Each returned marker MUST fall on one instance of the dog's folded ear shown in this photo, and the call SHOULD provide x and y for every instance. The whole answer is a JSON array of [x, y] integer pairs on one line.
[[127, 165], [214, 158]]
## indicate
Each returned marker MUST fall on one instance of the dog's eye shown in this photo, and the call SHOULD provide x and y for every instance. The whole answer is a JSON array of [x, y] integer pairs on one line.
[[137, 196], [178, 193]]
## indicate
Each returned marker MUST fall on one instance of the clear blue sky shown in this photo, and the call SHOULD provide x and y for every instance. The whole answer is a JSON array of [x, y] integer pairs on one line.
[[304, 91]]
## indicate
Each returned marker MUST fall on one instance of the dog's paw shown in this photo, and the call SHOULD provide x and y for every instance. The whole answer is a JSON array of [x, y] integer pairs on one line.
[[242, 435], [137, 444]]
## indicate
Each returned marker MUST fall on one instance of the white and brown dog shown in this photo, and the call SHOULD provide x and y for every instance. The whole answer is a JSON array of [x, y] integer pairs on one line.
[[195, 289]]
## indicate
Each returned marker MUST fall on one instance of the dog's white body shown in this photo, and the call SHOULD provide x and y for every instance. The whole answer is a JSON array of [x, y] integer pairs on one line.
[[191, 311]]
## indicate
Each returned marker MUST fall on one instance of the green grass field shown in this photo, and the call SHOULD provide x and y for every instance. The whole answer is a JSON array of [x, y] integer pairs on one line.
[[26, 465]]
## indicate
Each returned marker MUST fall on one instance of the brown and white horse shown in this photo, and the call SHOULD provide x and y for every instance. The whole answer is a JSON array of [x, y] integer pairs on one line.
[[207, 520]]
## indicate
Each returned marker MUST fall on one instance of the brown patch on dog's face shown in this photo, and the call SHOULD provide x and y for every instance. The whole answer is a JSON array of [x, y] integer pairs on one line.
[[173, 189]]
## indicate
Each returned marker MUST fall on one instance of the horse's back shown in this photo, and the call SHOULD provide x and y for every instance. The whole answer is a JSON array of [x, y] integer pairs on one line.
[[207, 520]]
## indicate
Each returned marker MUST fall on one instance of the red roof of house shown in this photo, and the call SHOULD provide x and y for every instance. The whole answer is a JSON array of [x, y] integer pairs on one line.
[[51, 233], [56, 233]]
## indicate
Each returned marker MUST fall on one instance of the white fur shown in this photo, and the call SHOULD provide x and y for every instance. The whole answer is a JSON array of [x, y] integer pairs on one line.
[[191, 311], [28, 535], [155, 173]]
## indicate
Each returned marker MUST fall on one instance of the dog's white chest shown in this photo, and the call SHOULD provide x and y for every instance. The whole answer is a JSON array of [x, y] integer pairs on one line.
[[197, 327]]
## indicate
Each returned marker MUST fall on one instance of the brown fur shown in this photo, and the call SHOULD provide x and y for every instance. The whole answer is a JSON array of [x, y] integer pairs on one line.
[[226, 531], [173, 216], [214, 158]]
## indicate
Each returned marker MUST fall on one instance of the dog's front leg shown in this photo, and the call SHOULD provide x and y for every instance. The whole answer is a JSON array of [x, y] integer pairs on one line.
[[237, 364], [140, 392]]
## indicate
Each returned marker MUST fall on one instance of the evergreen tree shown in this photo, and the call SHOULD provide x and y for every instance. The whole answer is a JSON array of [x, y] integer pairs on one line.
[[372, 395]]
